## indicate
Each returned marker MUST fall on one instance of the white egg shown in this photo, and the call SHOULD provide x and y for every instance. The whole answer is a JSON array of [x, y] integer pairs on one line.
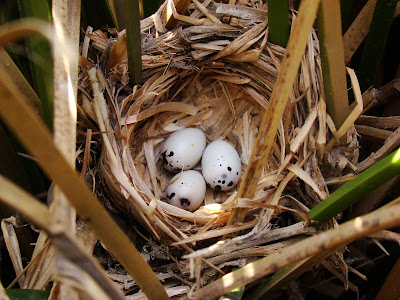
[[221, 166], [183, 149], [187, 190]]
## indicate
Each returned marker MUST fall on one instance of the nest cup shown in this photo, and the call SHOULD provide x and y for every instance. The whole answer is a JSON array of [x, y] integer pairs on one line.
[[214, 71]]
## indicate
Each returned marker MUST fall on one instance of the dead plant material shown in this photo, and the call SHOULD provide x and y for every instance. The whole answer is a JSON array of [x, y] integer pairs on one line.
[[215, 71]]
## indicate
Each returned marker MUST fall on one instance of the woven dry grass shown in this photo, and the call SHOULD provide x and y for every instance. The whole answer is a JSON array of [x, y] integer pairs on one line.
[[218, 77]]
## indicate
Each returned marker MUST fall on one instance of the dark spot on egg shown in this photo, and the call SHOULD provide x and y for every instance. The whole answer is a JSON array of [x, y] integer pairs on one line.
[[217, 188], [237, 173], [224, 176], [220, 165], [229, 169], [185, 201], [219, 181], [223, 181], [171, 196], [171, 153], [230, 183], [164, 154]]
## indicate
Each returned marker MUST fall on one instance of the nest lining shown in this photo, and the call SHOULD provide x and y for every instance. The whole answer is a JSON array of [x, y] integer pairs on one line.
[[217, 77]]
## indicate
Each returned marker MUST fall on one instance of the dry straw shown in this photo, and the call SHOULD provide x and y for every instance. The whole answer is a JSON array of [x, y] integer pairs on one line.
[[215, 71]]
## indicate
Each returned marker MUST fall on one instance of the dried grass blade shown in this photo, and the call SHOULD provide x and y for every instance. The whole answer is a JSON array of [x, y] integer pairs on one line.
[[11, 241], [3, 294], [276, 106], [358, 30], [355, 113], [303, 175], [215, 233], [241, 41], [207, 13], [314, 246], [167, 14], [38, 213], [239, 11], [162, 107], [66, 20], [38, 141]]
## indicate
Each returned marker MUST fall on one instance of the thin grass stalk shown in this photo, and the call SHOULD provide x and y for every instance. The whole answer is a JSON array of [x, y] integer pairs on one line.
[[38, 51], [66, 20], [277, 104], [66, 17], [133, 41], [37, 139], [316, 245], [278, 21], [332, 59], [358, 187]]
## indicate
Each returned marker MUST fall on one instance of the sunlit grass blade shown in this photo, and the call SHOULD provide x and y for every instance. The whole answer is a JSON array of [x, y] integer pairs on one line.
[[133, 40], [353, 190], [332, 59], [278, 21], [375, 42], [38, 51]]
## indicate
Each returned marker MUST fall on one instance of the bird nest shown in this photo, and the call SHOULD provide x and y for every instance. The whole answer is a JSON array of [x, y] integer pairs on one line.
[[214, 71]]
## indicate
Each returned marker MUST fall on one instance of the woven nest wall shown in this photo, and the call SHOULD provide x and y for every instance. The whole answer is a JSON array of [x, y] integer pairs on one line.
[[214, 71]]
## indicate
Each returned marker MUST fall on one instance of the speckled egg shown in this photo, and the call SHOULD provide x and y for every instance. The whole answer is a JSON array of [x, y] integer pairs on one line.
[[182, 150], [187, 190], [221, 166]]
